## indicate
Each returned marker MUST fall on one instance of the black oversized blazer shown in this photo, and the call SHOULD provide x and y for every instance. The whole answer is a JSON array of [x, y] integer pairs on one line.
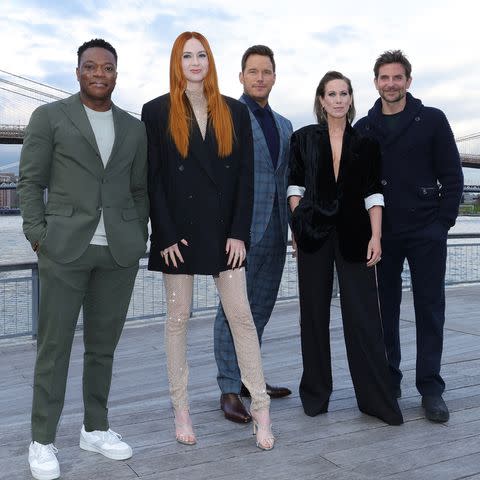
[[202, 198], [311, 166]]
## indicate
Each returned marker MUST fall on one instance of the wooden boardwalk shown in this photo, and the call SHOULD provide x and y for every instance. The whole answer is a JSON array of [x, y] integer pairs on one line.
[[341, 445]]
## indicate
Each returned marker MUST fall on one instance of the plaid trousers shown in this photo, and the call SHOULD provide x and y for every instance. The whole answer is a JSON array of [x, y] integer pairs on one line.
[[265, 262]]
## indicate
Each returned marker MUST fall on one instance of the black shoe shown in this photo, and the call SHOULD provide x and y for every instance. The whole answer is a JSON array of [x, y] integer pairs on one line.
[[233, 408], [273, 392], [435, 408]]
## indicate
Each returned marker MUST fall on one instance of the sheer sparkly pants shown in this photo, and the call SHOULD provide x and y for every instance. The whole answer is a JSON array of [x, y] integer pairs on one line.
[[231, 286]]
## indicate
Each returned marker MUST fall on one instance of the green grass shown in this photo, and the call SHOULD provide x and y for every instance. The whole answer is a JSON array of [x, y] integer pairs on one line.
[[469, 209]]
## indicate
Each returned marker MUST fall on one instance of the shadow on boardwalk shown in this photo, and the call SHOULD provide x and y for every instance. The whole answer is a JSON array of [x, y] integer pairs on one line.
[[343, 444]]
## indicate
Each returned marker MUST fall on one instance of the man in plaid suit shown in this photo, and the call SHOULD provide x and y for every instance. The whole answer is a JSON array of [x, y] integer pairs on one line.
[[266, 256]]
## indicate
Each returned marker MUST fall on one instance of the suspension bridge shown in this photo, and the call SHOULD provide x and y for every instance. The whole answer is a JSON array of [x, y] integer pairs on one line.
[[19, 96]]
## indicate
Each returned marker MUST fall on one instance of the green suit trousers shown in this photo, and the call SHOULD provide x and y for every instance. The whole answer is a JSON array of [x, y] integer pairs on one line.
[[96, 282]]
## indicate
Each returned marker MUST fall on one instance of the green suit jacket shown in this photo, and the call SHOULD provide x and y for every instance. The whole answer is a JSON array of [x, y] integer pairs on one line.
[[60, 154]]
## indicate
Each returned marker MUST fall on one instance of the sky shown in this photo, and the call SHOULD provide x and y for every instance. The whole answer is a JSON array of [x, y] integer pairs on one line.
[[40, 38]]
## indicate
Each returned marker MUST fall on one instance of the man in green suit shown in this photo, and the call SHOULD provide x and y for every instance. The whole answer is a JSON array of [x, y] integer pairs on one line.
[[91, 158]]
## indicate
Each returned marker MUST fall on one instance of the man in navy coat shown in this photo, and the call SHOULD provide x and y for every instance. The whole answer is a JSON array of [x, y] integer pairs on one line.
[[268, 242], [423, 184]]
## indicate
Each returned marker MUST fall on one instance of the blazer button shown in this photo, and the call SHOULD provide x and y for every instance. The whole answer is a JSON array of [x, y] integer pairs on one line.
[[181, 168], [383, 182], [417, 119], [424, 191], [190, 197]]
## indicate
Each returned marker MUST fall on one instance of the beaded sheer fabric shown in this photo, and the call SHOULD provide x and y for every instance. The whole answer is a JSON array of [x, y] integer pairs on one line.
[[200, 109], [231, 286]]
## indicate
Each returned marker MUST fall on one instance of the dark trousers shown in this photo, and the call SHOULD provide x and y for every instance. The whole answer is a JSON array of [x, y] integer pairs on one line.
[[104, 289], [362, 329], [426, 252], [265, 262]]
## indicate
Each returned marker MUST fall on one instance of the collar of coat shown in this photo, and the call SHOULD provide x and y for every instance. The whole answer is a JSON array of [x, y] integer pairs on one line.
[[411, 113], [318, 149], [350, 136]]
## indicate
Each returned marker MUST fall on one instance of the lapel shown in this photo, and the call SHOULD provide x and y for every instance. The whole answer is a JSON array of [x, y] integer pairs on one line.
[[281, 136], [376, 120], [120, 127], [262, 153], [327, 156], [204, 151], [346, 153], [75, 111], [323, 164]]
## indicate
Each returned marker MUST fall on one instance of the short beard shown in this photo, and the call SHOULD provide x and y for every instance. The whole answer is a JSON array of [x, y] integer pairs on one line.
[[400, 96]]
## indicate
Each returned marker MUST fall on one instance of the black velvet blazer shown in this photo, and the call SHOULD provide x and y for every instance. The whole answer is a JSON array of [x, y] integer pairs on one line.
[[202, 198], [343, 200]]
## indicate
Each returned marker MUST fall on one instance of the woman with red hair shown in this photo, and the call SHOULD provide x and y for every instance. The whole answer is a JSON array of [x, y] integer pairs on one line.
[[200, 156]]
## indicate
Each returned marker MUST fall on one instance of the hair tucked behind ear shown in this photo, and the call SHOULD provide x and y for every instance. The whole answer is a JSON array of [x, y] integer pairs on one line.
[[179, 121]]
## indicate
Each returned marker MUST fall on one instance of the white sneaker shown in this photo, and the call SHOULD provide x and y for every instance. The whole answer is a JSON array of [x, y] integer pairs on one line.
[[108, 443], [43, 462]]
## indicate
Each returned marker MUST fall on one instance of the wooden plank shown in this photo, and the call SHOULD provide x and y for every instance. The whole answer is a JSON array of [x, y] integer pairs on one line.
[[421, 458], [456, 469], [343, 444]]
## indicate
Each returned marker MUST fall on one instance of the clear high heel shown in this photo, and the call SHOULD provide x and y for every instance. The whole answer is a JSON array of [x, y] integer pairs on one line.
[[265, 439], [183, 428]]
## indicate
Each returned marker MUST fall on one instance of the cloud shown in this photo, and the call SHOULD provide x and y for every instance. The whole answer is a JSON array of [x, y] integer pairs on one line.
[[337, 35], [308, 39]]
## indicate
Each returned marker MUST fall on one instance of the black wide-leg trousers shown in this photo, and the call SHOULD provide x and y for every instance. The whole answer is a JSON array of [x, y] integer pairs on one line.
[[362, 329]]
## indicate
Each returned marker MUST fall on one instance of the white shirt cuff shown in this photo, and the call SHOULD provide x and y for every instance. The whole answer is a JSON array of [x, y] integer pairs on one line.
[[295, 190], [373, 200]]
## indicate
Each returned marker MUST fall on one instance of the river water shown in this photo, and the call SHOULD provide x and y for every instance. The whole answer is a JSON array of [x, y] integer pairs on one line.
[[148, 297], [14, 248]]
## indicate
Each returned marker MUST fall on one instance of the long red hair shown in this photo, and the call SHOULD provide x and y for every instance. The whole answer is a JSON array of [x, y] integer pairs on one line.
[[179, 121]]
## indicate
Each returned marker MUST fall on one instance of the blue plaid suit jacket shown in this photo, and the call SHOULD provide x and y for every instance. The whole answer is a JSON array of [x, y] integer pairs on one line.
[[269, 181]]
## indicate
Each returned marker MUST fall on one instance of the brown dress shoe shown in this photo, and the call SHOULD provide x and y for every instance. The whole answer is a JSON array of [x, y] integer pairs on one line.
[[273, 392], [233, 408]]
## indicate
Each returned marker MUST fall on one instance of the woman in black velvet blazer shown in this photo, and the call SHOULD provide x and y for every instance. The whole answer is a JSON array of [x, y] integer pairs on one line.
[[200, 182], [335, 197]]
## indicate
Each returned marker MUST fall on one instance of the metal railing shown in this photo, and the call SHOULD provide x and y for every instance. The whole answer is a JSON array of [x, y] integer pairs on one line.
[[19, 288], [19, 296]]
